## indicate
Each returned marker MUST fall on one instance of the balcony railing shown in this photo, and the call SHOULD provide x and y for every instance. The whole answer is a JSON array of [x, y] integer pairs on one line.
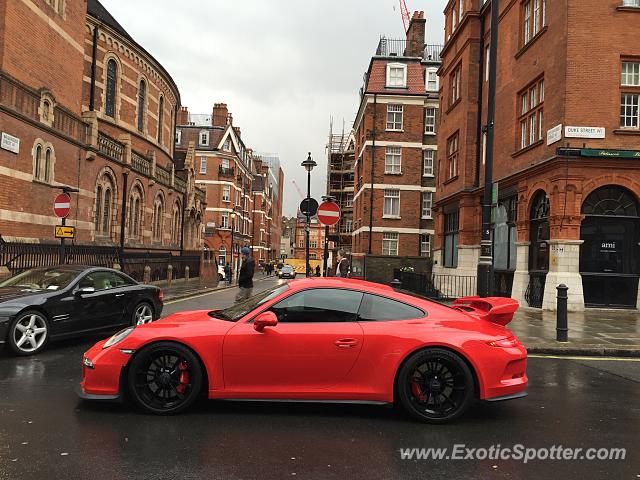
[[140, 164], [69, 125], [394, 47], [163, 175], [179, 184], [110, 147], [229, 172]]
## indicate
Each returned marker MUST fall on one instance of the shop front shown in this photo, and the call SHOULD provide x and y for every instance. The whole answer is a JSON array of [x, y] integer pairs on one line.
[[610, 254]]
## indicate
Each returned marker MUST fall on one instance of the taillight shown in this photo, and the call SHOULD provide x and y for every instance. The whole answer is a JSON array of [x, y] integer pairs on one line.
[[505, 343], [161, 295]]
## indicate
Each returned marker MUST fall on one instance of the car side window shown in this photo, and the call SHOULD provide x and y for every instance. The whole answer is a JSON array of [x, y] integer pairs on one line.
[[122, 281], [319, 305], [376, 308], [101, 280]]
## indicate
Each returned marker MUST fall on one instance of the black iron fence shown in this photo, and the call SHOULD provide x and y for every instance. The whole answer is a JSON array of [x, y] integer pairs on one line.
[[535, 289], [442, 287], [18, 257], [502, 283]]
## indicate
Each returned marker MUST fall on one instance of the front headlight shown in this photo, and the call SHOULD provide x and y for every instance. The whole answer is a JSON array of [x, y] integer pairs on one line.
[[118, 337]]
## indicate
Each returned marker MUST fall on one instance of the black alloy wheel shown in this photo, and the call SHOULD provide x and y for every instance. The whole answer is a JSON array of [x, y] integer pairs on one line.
[[165, 378], [435, 386]]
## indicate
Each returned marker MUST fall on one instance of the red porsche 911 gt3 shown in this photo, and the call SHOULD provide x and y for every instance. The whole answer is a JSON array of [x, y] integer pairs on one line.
[[319, 339]]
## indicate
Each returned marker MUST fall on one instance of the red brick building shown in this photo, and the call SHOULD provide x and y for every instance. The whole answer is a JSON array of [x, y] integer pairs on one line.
[[316, 239], [567, 133], [243, 190], [396, 150], [83, 105]]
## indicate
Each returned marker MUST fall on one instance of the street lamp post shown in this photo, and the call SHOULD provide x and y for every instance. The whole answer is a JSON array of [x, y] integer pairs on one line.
[[485, 263], [308, 165], [233, 231]]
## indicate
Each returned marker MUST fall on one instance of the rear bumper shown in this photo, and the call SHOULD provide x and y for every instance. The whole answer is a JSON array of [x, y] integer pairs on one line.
[[513, 396], [503, 373]]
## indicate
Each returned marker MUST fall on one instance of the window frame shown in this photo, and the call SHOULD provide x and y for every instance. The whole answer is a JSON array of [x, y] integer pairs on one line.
[[531, 114], [396, 239], [301, 292], [142, 105], [429, 71], [203, 165], [432, 160], [430, 120], [451, 228], [392, 117], [400, 66], [360, 319], [200, 138], [455, 83], [426, 213], [453, 152], [393, 160], [393, 200]]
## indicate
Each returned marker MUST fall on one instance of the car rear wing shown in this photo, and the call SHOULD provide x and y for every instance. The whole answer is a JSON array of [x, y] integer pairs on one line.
[[493, 309]]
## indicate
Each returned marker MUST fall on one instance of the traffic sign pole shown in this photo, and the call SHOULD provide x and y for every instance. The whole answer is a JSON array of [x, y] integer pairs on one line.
[[329, 214], [62, 208]]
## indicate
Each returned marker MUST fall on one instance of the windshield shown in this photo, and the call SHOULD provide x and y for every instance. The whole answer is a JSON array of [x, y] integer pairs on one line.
[[239, 310], [287, 268], [51, 278]]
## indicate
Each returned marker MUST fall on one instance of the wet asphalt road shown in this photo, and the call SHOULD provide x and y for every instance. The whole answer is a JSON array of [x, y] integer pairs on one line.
[[47, 433]]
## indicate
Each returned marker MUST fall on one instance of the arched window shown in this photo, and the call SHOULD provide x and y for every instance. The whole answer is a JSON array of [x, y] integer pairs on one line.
[[47, 166], [158, 221], [104, 202], [611, 201], [539, 233], [175, 224], [37, 162], [142, 97], [135, 213], [110, 96], [160, 117]]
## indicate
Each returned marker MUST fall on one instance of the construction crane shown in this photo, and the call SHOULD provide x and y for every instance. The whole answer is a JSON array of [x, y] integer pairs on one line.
[[404, 12], [302, 195]]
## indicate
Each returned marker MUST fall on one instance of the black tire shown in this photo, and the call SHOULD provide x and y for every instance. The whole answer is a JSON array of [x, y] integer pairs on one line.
[[26, 329], [142, 311], [220, 277], [435, 386], [164, 378]]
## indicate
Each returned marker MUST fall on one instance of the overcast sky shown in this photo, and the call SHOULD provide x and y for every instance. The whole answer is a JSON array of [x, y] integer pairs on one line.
[[283, 67]]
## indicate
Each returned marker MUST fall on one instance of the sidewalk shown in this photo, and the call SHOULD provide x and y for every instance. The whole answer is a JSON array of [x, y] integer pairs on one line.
[[181, 289], [593, 332]]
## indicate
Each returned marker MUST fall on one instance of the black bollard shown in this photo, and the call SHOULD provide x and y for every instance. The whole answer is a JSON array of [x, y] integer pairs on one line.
[[562, 326], [396, 284]]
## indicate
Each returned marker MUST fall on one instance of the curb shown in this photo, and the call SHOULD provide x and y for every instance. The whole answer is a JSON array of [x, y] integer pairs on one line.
[[205, 291], [593, 351]]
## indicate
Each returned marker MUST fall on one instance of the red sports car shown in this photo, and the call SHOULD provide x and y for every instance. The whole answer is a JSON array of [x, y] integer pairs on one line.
[[319, 339]]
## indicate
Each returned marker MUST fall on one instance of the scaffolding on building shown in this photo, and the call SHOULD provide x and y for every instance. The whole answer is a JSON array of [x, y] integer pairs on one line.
[[340, 181]]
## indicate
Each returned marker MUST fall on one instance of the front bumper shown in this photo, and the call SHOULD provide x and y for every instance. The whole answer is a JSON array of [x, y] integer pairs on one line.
[[4, 329], [103, 380]]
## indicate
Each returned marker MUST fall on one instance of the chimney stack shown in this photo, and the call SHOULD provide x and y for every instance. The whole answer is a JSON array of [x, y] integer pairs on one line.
[[183, 116], [219, 115], [237, 130], [230, 119], [415, 36]]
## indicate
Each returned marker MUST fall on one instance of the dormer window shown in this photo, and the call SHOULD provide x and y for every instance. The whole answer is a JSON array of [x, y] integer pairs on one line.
[[204, 138], [227, 145], [178, 137], [396, 75]]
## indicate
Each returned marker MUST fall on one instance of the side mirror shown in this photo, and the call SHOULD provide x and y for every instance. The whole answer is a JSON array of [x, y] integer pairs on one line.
[[85, 291], [266, 319]]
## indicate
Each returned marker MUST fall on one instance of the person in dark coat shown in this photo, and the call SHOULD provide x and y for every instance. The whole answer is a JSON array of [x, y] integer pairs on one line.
[[227, 272], [245, 279], [342, 268], [317, 270]]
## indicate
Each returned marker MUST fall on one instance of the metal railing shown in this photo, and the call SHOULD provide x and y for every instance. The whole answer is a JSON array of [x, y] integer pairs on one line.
[[110, 147], [535, 289], [502, 283], [443, 287], [390, 47], [226, 171], [69, 125]]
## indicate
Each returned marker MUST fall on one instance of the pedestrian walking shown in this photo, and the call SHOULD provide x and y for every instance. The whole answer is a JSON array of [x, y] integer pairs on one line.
[[227, 273], [342, 268], [317, 270], [245, 278]]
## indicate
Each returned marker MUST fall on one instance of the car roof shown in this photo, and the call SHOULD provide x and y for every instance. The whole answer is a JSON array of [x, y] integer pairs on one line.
[[339, 282]]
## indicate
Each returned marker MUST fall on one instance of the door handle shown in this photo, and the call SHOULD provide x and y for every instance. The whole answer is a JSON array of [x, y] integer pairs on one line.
[[346, 343], [119, 294]]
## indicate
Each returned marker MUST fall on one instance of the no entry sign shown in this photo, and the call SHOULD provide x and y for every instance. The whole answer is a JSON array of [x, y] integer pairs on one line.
[[329, 213], [62, 205]]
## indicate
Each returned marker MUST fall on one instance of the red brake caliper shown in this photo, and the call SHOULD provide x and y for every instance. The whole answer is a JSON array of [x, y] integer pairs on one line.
[[417, 391], [184, 377]]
